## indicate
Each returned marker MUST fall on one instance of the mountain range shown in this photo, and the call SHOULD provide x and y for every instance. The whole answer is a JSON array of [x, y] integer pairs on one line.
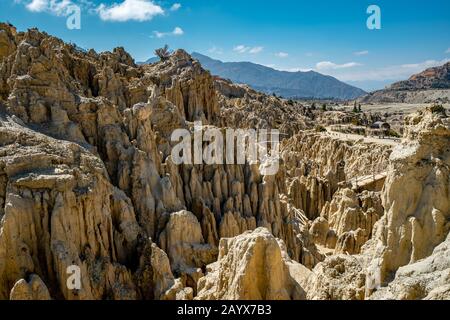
[[299, 84]]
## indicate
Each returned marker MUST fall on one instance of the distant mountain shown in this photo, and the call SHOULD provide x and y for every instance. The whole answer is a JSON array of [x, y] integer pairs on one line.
[[286, 84], [432, 78], [151, 60], [430, 85]]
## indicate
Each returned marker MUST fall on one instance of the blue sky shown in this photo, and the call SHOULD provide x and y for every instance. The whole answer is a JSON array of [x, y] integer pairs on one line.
[[330, 37]]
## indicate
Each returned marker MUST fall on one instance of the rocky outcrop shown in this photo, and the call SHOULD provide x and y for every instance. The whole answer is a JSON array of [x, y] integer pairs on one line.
[[60, 210], [431, 78], [89, 198], [322, 234], [229, 89], [310, 153], [183, 241], [347, 221], [154, 277], [34, 289], [309, 194], [428, 86], [184, 82], [253, 266], [85, 153], [251, 110], [416, 221], [87, 180], [427, 279], [339, 277], [316, 166]]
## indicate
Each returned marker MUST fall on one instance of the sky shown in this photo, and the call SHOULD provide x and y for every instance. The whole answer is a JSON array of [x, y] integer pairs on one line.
[[327, 36]]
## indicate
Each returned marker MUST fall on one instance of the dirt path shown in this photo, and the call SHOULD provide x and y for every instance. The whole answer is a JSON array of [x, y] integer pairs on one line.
[[356, 137]]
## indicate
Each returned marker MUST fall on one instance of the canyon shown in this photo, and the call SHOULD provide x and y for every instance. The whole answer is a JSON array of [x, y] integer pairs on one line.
[[87, 179]]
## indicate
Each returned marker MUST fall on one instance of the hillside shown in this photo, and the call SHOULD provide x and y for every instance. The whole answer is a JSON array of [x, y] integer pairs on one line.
[[432, 78], [283, 83], [430, 85]]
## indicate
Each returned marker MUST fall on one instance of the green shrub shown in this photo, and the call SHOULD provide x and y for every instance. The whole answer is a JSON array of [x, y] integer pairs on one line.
[[438, 108], [393, 133], [320, 128]]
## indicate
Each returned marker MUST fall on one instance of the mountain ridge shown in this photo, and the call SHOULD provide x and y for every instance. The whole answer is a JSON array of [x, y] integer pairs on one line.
[[287, 84], [429, 85]]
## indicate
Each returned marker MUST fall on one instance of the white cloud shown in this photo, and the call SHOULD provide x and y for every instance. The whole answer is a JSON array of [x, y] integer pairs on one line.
[[176, 32], [256, 50], [272, 66], [395, 72], [282, 54], [138, 10], [56, 7], [361, 53], [215, 50], [293, 69], [244, 49], [448, 50], [175, 7], [241, 49], [296, 69], [328, 65], [37, 5]]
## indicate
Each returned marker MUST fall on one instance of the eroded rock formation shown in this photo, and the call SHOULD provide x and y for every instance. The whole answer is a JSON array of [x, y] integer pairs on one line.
[[87, 179], [339, 277], [425, 279], [253, 266], [416, 221]]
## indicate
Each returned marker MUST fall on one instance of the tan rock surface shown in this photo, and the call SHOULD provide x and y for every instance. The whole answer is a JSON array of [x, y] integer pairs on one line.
[[415, 221], [253, 266], [339, 277], [347, 221], [86, 179], [427, 279], [34, 289]]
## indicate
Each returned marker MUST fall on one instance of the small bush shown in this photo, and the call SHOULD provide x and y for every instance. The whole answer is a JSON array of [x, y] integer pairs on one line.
[[320, 128], [163, 53], [393, 133], [438, 108]]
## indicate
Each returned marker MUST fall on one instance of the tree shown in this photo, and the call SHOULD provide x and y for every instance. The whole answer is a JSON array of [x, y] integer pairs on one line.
[[163, 53], [324, 107], [359, 108], [355, 109]]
